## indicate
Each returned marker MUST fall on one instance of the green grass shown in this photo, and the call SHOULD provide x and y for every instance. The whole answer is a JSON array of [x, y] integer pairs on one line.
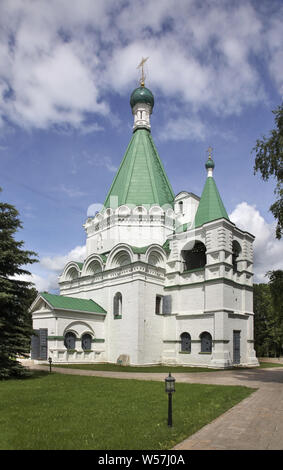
[[146, 369], [165, 369], [55, 411], [264, 365]]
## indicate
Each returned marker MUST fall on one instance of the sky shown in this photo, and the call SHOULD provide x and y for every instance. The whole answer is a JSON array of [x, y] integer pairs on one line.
[[67, 70]]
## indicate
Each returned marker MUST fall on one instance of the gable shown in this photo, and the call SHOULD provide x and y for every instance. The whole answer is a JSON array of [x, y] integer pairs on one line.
[[61, 302]]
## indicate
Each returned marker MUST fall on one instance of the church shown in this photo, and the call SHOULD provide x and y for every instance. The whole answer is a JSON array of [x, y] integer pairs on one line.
[[167, 279]]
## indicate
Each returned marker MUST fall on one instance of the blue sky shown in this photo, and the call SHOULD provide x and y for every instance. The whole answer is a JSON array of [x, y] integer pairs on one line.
[[67, 69]]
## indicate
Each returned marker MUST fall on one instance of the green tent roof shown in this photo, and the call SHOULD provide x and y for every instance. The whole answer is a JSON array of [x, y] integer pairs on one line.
[[72, 303], [210, 206], [141, 178]]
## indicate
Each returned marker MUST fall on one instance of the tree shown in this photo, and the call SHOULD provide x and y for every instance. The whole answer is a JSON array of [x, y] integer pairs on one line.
[[16, 295], [276, 290], [269, 162], [263, 314], [268, 320]]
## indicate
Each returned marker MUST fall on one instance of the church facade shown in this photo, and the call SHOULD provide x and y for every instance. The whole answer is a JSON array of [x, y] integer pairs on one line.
[[167, 279]]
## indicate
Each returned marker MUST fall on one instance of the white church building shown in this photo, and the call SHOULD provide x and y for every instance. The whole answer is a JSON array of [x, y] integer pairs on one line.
[[167, 279]]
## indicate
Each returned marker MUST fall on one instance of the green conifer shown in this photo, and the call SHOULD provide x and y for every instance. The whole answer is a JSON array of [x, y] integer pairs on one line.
[[16, 295]]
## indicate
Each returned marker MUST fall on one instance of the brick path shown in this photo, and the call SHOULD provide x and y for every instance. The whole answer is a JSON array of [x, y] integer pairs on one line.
[[256, 423]]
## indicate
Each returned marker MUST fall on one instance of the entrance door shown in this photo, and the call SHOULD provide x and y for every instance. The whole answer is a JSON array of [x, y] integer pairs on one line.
[[39, 344], [236, 347]]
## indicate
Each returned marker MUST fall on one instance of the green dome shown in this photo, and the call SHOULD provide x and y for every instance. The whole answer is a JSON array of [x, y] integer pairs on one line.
[[209, 164], [142, 95]]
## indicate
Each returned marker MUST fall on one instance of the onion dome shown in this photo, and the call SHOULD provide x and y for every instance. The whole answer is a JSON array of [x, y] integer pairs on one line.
[[210, 163], [142, 95]]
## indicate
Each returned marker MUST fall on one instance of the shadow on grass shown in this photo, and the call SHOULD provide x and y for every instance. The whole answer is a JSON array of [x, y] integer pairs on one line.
[[33, 374]]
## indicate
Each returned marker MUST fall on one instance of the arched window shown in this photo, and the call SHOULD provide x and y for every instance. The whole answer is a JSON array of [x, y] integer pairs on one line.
[[155, 259], [181, 207], [122, 258], [196, 257], [186, 342], [94, 268], [70, 340], [72, 274], [236, 250], [206, 342], [86, 341], [117, 305]]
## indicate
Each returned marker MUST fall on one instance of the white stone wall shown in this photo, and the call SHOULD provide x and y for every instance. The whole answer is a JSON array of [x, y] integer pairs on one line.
[[137, 226]]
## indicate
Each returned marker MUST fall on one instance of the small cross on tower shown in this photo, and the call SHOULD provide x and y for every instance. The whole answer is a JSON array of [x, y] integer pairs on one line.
[[143, 61], [209, 150]]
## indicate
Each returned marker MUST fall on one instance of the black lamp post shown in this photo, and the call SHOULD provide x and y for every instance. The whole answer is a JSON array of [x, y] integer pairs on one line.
[[169, 388], [50, 362]]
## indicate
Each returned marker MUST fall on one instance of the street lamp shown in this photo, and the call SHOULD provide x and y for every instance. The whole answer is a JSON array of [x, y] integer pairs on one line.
[[50, 362], [169, 388]]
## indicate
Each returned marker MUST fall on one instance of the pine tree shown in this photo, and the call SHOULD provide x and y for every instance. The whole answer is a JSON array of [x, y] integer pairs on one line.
[[16, 295]]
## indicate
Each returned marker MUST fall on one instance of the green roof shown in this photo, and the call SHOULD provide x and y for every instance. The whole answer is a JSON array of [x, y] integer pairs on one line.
[[80, 265], [141, 178], [139, 250], [166, 246], [72, 303], [210, 206]]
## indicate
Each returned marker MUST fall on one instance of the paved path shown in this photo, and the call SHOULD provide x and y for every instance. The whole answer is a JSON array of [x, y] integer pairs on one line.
[[256, 423]]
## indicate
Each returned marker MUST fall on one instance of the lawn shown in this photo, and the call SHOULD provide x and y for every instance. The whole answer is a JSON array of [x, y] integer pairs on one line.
[[55, 411], [265, 365], [146, 369], [158, 368]]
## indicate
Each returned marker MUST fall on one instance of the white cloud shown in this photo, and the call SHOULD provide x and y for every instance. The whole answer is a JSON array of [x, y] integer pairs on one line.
[[182, 129], [267, 249], [57, 64], [57, 263], [45, 275], [275, 50], [47, 282]]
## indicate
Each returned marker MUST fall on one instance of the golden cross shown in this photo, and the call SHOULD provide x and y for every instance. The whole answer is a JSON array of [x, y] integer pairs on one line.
[[142, 79], [209, 150]]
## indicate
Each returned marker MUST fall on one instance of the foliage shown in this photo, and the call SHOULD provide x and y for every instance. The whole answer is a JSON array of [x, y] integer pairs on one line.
[[269, 162], [16, 295], [62, 412], [268, 321]]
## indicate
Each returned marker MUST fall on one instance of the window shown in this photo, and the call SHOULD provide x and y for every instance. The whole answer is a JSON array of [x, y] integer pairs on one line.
[[196, 257], [72, 274], [185, 342], [86, 341], [206, 342], [236, 250], [117, 305], [70, 340], [94, 267], [158, 301], [181, 207], [122, 258], [156, 259]]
